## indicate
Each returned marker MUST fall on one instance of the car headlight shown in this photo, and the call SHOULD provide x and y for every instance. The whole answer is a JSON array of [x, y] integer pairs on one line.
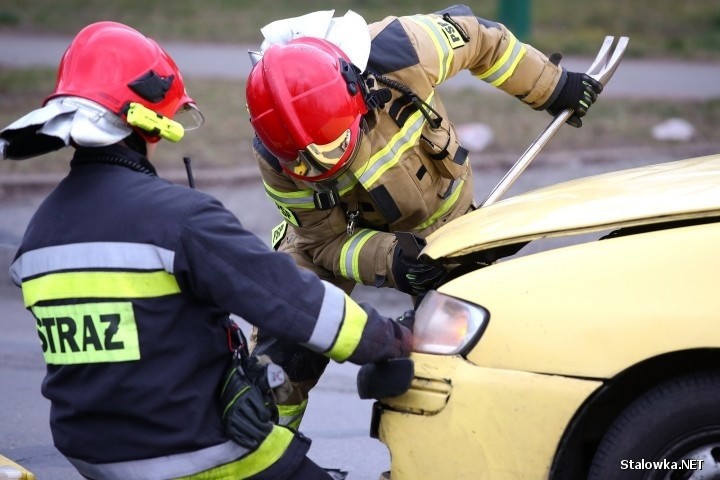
[[446, 325]]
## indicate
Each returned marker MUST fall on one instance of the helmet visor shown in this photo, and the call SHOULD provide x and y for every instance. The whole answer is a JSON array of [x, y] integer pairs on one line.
[[189, 116], [326, 157], [324, 162]]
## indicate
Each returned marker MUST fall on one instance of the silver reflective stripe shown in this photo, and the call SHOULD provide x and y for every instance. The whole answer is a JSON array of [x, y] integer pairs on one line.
[[330, 319], [505, 66], [389, 155], [305, 198], [445, 53], [297, 199], [346, 182], [350, 254], [101, 255], [163, 468]]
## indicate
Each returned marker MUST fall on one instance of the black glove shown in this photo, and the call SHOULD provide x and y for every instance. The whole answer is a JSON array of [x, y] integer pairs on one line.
[[247, 413], [578, 93], [414, 277]]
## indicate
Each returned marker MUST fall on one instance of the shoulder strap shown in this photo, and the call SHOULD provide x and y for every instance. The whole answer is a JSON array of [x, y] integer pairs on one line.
[[269, 158]]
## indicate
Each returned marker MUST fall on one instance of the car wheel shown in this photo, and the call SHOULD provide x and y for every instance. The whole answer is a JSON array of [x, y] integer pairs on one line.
[[671, 432]]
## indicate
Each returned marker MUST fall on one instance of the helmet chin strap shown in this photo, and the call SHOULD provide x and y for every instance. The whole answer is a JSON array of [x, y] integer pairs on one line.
[[136, 142]]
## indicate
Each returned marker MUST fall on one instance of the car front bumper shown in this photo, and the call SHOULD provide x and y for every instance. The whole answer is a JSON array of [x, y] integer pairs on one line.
[[462, 421]]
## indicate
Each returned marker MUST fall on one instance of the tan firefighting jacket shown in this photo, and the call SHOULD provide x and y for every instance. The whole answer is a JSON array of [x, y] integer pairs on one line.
[[417, 178]]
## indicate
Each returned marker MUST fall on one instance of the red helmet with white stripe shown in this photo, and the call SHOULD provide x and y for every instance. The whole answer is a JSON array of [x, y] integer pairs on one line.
[[115, 65]]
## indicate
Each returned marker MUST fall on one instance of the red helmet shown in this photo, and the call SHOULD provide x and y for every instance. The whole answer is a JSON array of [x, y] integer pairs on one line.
[[306, 102], [115, 65]]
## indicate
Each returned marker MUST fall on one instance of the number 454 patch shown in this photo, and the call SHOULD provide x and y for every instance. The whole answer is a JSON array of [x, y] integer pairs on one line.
[[452, 34]]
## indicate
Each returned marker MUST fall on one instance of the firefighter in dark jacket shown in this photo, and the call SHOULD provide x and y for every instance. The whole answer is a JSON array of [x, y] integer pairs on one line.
[[131, 280], [354, 143]]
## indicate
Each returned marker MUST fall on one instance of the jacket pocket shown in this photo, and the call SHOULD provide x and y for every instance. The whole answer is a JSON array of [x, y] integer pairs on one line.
[[441, 145]]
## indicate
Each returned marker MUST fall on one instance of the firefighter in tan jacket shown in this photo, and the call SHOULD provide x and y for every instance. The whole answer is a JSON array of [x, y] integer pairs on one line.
[[354, 143]]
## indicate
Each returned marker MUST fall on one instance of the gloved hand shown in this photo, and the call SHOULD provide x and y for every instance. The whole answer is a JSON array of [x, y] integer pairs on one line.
[[270, 378], [247, 414], [414, 277], [579, 93]]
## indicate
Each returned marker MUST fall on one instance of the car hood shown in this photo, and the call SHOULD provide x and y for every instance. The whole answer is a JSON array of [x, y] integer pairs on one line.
[[665, 192]]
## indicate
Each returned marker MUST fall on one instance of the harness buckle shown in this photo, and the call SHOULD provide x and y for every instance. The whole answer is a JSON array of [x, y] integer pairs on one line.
[[352, 220], [326, 199]]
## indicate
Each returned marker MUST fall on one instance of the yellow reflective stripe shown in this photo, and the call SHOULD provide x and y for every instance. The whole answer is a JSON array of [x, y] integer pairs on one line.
[[78, 285], [350, 254], [350, 332], [445, 207], [406, 138], [304, 198], [168, 466], [88, 333], [346, 183], [329, 319], [298, 199], [505, 66], [511, 68], [291, 415], [442, 45], [269, 452]]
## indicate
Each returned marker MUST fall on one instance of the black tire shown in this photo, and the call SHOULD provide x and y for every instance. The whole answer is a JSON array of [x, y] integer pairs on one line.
[[675, 421]]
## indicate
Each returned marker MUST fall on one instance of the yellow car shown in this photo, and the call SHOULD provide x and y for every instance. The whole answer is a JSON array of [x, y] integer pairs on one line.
[[595, 359]]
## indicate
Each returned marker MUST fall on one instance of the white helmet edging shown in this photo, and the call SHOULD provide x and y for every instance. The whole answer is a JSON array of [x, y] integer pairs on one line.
[[85, 122], [350, 33]]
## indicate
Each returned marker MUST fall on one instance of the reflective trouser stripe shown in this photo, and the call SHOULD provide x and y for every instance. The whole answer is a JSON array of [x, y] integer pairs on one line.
[[291, 415], [269, 452], [200, 464]]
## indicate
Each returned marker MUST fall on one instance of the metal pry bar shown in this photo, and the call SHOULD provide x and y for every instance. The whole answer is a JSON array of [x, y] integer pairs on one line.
[[602, 69]]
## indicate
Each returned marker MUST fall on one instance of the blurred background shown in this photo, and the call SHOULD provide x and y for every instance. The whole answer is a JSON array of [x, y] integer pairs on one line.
[[659, 30]]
